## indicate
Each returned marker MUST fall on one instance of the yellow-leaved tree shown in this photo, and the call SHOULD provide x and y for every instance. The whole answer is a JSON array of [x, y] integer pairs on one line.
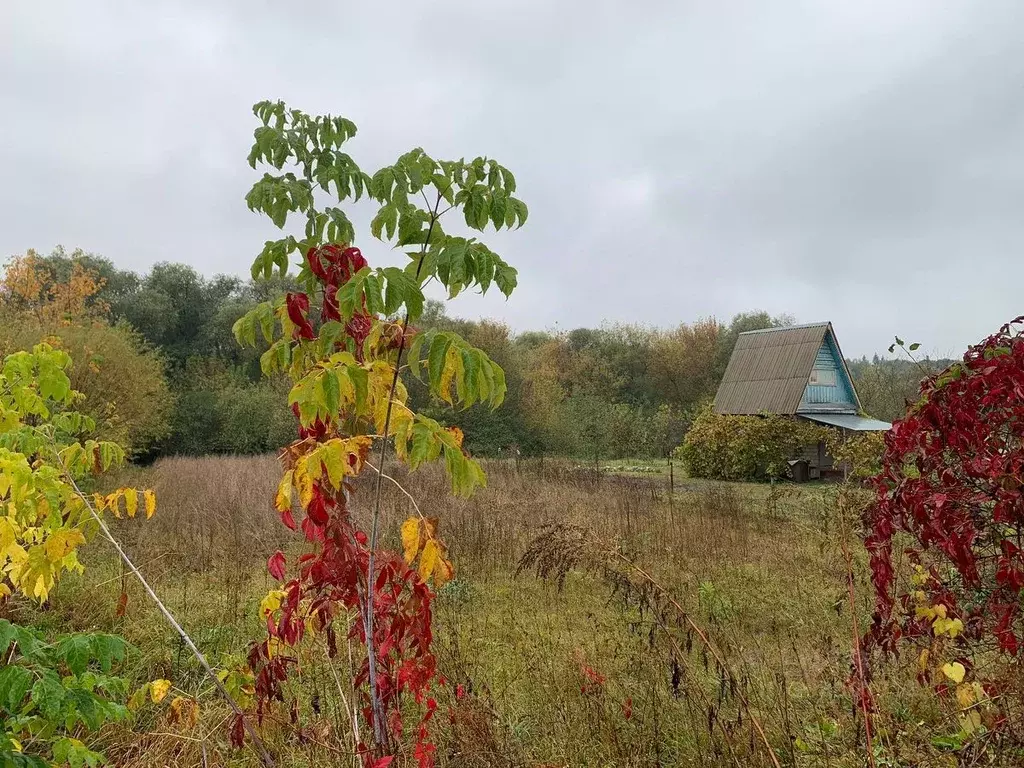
[[122, 378], [53, 689]]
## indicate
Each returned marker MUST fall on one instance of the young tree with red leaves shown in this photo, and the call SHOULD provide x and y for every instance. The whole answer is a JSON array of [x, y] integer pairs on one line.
[[341, 342], [946, 532]]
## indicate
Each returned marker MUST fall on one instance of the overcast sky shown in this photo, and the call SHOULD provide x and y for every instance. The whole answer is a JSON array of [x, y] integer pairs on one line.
[[861, 162]]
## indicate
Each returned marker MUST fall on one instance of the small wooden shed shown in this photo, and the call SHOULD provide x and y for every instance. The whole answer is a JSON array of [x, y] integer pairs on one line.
[[797, 371]]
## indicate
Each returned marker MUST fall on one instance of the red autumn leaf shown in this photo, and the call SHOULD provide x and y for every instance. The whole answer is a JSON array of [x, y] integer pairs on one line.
[[287, 519], [359, 327], [276, 565], [298, 306], [312, 531], [317, 509], [315, 265], [238, 731], [122, 605], [383, 762], [330, 310], [351, 262]]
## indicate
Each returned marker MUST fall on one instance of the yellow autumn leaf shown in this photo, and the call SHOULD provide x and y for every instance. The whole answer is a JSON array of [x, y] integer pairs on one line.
[[922, 660], [954, 671], [429, 559], [443, 573], [110, 502], [411, 539], [964, 695], [184, 711], [334, 458], [158, 690], [8, 534], [359, 447], [283, 499], [452, 365], [951, 627], [41, 590], [131, 501], [149, 499], [919, 576], [61, 543], [271, 602], [303, 482]]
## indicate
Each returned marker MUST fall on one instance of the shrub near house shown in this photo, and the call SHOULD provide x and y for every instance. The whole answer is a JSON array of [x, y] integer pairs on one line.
[[786, 393], [725, 447]]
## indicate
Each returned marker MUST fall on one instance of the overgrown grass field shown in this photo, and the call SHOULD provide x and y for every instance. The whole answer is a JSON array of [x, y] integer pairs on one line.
[[710, 626]]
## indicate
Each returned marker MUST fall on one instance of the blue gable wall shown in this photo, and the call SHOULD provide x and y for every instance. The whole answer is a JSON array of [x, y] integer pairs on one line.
[[829, 398]]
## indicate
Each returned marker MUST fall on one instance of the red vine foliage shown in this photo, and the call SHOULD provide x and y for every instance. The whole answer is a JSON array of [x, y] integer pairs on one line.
[[331, 579], [950, 498], [337, 342]]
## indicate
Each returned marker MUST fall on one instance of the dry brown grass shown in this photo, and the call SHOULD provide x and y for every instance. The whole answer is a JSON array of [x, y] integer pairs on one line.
[[759, 570]]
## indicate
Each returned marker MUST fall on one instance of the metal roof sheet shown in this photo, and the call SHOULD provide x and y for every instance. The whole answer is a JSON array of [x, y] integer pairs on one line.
[[769, 369], [849, 421]]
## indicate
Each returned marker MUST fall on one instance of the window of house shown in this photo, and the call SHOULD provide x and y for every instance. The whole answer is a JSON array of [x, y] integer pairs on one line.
[[823, 378]]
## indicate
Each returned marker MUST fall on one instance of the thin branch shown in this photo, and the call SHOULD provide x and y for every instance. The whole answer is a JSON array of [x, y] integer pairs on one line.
[[148, 562], [400, 487], [379, 725]]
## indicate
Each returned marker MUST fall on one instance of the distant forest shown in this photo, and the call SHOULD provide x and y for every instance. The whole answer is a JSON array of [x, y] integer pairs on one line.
[[157, 357]]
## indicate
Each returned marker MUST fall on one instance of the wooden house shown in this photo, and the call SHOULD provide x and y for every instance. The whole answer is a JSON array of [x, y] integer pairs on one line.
[[800, 372]]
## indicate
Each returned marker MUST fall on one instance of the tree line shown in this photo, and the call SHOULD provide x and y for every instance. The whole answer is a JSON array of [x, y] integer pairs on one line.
[[163, 374]]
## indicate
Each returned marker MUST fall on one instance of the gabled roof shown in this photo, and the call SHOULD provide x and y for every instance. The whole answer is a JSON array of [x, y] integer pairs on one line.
[[769, 369]]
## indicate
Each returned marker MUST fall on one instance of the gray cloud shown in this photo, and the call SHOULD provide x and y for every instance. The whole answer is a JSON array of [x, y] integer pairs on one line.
[[861, 162]]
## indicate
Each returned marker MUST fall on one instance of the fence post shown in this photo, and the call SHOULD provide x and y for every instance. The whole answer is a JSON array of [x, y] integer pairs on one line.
[[671, 491]]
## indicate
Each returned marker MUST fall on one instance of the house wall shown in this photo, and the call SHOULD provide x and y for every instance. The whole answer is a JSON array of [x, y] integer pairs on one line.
[[827, 397], [818, 459]]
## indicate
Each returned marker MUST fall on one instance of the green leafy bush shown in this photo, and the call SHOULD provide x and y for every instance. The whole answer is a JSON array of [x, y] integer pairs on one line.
[[723, 447], [51, 690], [860, 451], [221, 411]]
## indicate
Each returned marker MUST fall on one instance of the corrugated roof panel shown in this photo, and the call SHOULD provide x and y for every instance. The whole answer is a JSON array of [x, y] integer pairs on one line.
[[768, 370]]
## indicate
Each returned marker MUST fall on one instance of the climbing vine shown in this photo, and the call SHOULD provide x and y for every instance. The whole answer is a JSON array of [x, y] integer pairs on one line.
[[946, 532], [348, 342]]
